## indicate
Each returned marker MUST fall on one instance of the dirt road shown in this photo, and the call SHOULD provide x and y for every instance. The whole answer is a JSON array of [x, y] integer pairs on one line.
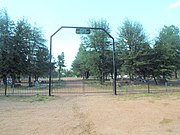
[[91, 115]]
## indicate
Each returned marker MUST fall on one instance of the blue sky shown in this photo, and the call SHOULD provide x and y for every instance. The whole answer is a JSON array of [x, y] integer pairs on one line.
[[52, 14]]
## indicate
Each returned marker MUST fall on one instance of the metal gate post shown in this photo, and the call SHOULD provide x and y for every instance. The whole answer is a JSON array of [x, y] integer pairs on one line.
[[114, 69], [50, 66]]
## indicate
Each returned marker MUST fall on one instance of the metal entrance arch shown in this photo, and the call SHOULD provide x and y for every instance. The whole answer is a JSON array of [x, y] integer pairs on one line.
[[74, 27]]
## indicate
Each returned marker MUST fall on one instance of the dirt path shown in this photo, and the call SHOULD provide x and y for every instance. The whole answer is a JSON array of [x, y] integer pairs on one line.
[[78, 86], [91, 115]]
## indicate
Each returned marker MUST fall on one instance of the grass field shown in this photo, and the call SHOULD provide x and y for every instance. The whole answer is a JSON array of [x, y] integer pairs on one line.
[[92, 114]]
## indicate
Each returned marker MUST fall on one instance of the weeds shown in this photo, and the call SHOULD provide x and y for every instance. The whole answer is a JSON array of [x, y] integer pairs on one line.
[[31, 99]]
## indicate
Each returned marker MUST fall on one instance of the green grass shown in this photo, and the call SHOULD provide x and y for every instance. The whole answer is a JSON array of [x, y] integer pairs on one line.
[[31, 99], [24, 87], [165, 121], [41, 98], [153, 96]]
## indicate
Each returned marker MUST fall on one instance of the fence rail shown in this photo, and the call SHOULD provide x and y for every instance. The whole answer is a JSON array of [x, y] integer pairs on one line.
[[79, 86]]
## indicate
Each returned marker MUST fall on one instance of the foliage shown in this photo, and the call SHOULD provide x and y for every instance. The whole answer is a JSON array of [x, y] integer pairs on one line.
[[31, 99], [133, 49], [60, 64], [167, 48], [67, 73], [135, 54], [23, 52], [22, 49], [81, 63], [142, 60], [95, 53]]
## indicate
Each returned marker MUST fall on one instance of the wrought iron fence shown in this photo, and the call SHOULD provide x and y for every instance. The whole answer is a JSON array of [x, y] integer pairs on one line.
[[80, 86]]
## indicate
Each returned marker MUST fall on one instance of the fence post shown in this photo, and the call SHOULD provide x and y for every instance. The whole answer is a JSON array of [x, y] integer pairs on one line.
[[5, 89], [148, 86], [126, 88], [166, 84], [83, 85]]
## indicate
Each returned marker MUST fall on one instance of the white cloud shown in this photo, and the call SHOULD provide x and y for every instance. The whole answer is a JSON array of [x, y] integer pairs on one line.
[[174, 5]]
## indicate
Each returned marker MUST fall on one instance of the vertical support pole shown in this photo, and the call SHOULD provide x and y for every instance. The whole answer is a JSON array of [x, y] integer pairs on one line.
[[114, 69], [166, 84], [126, 88], [148, 87], [83, 87], [50, 65], [5, 90]]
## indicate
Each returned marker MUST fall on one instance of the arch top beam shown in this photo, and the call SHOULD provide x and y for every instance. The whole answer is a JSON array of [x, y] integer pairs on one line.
[[91, 28], [75, 27]]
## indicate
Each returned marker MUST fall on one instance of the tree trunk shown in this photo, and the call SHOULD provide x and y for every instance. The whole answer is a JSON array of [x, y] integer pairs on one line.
[[19, 79], [13, 80], [59, 72], [144, 75], [122, 77], [111, 75], [5, 89], [102, 78], [36, 78], [29, 81], [164, 79], [130, 75], [5, 84], [175, 74], [155, 80], [86, 75]]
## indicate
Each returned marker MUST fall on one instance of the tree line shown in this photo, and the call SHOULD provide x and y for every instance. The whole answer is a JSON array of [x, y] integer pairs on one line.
[[136, 55], [23, 50]]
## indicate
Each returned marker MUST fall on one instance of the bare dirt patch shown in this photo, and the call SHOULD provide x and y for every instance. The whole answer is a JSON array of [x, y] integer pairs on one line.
[[97, 114]]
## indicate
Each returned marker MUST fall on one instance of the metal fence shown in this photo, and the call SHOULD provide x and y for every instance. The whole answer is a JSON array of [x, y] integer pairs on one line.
[[128, 87], [64, 86], [23, 88], [79, 86]]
